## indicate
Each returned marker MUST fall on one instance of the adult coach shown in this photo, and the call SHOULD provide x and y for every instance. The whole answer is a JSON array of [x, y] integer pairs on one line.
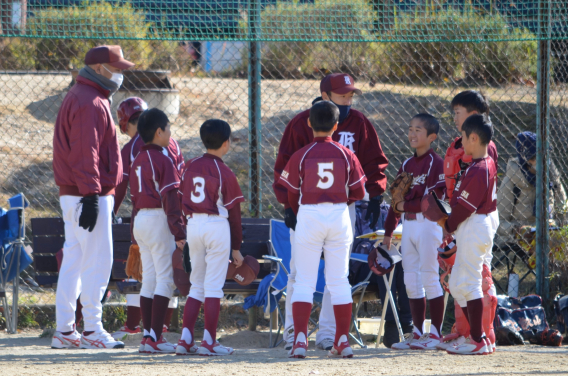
[[87, 167], [356, 133]]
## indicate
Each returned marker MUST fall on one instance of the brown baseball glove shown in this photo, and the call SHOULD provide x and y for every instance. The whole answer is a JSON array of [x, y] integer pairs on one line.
[[134, 263], [399, 188]]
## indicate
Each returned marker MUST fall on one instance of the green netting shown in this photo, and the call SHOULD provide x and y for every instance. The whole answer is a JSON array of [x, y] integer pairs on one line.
[[298, 20]]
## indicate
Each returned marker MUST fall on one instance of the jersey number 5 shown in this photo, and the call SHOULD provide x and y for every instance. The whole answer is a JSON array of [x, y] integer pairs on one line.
[[198, 194], [326, 175]]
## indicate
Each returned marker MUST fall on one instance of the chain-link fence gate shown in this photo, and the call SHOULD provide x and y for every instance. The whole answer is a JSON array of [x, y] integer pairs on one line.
[[257, 63]]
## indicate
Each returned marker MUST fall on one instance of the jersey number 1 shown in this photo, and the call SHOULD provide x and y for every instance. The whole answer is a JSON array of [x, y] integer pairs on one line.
[[326, 175], [198, 195], [139, 175]]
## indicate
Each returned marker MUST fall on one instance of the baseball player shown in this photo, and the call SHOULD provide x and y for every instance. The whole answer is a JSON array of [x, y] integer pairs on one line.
[[322, 178], [157, 225], [420, 237], [474, 220], [211, 201], [356, 133], [128, 114], [87, 168]]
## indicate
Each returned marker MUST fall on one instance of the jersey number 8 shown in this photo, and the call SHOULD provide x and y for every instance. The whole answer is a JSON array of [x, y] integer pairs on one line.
[[198, 194], [326, 175]]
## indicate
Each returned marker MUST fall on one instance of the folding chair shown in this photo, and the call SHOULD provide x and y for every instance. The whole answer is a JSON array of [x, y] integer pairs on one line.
[[13, 257]]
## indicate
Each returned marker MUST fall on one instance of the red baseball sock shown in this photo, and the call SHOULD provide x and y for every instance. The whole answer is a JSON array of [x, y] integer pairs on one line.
[[475, 312], [418, 311], [211, 310], [159, 308], [168, 319], [342, 321], [437, 313], [146, 310], [190, 314], [464, 310], [132, 317], [301, 313]]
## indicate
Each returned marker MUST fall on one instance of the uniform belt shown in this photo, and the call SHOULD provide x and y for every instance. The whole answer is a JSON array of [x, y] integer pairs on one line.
[[410, 216]]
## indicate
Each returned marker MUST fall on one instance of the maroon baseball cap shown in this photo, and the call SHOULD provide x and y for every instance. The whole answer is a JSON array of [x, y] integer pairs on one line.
[[340, 83], [111, 55]]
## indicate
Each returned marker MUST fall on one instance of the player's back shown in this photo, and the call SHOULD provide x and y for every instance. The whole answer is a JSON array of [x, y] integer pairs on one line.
[[209, 187], [131, 150]]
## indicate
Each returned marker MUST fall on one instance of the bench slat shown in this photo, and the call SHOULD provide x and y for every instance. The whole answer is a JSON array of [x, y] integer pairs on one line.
[[48, 226], [120, 250], [121, 233], [254, 232], [46, 280], [256, 250], [256, 221], [47, 244], [45, 263], [118, 270]]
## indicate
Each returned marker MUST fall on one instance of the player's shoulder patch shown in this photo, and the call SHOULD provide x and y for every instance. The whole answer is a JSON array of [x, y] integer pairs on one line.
[[441, 177], [465, 194], [285, 174]]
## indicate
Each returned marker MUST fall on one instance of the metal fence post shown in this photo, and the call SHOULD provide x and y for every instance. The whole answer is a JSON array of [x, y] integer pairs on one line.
[[542, 126], [255, 125]]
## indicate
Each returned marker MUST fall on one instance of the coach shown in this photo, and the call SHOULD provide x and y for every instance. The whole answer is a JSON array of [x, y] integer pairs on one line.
[[87, 167]]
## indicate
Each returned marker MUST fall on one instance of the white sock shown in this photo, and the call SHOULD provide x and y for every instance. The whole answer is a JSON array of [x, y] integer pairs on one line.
[[207, 337], [342, 339], [146, 333], [186, 336], [301, 338], [434, 331], [153, 335], [417, 331]]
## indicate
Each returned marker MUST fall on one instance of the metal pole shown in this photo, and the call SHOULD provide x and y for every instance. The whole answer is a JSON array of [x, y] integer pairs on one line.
[[255, 125], [542, 156]]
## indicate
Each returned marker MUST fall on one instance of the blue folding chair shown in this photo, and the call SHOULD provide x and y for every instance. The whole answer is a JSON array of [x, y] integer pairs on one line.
[[13, 258]]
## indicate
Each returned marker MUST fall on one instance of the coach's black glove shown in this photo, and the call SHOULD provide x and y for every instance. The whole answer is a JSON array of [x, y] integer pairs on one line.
[[89, 213], [290, 218], [374, 210]]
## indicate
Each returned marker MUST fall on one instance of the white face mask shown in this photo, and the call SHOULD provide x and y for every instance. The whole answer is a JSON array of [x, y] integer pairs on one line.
[[117, 78]]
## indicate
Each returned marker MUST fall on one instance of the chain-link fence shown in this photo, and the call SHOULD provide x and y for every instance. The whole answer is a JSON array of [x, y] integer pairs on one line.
[[257, 63]]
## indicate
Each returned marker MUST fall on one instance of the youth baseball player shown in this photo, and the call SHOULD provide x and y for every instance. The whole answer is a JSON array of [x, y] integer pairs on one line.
[[211, 202], [87, 168], [474, 220], [157, 225], [420, 237], [322, 178], [356, 133], [129, 112]]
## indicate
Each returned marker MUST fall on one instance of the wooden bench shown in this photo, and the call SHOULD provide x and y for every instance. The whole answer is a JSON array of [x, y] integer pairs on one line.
[[49, 236]]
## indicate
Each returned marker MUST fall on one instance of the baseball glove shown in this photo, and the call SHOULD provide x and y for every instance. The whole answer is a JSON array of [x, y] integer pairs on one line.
[[506, 336], [546, 337], [399, 188], [134, 263], [433, 208]]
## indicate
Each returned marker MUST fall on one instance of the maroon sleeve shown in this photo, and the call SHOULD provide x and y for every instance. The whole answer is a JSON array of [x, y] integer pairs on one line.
[[291, 142], [492, 151], [413, 206], [458, 215], [290, 177], [121, 189], [391, 222], [172, 207], [236, 227], [85, 138], [168, 178], [232, 194], [294, 201], [472, 190], [356, 181], [132, 216], [373, 161]]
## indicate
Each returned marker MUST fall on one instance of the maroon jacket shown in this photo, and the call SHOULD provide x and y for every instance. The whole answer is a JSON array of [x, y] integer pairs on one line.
[[356, 133], [86, 155]]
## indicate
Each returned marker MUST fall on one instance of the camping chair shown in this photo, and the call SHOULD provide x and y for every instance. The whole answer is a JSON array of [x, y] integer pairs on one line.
[[13, 257]]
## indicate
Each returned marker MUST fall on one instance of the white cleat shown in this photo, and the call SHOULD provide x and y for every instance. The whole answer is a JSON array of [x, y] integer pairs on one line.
[[70, 341], [409, 338], [470, 347], [100, 340], [215, 349], [456, 341], [427, 341], [161, 346]]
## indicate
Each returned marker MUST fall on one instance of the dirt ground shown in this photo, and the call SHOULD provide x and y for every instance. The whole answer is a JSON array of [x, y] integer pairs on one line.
[[27, 354]]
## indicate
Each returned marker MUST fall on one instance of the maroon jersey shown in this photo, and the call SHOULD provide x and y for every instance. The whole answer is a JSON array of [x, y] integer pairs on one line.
[[153, 175], [130, 151], [427, 175], [209, 187], [324, 171], [356, 133], [477, 189]]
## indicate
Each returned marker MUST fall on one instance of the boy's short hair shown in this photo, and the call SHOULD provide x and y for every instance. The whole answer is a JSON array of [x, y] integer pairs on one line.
[[149, 122], [214, 132], [431, 124], [323, 116], [481, 126], [471, 100]]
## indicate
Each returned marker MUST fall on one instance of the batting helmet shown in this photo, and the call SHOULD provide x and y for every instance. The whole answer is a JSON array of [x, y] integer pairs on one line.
[[128, 108]]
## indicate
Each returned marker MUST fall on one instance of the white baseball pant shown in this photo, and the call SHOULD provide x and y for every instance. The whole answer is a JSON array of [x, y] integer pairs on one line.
[[420, 241], [157, 245], [133, 300], [327, 316], [88, 259], [327, 228], [209, 240], [474, 238]]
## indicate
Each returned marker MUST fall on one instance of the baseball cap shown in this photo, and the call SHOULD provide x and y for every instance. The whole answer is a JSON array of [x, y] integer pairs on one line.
[[245, 274], [111, 55], [340, 83]]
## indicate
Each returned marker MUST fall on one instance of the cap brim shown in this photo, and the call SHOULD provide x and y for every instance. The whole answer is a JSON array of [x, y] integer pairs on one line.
[[122, 64], [347, 89]]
